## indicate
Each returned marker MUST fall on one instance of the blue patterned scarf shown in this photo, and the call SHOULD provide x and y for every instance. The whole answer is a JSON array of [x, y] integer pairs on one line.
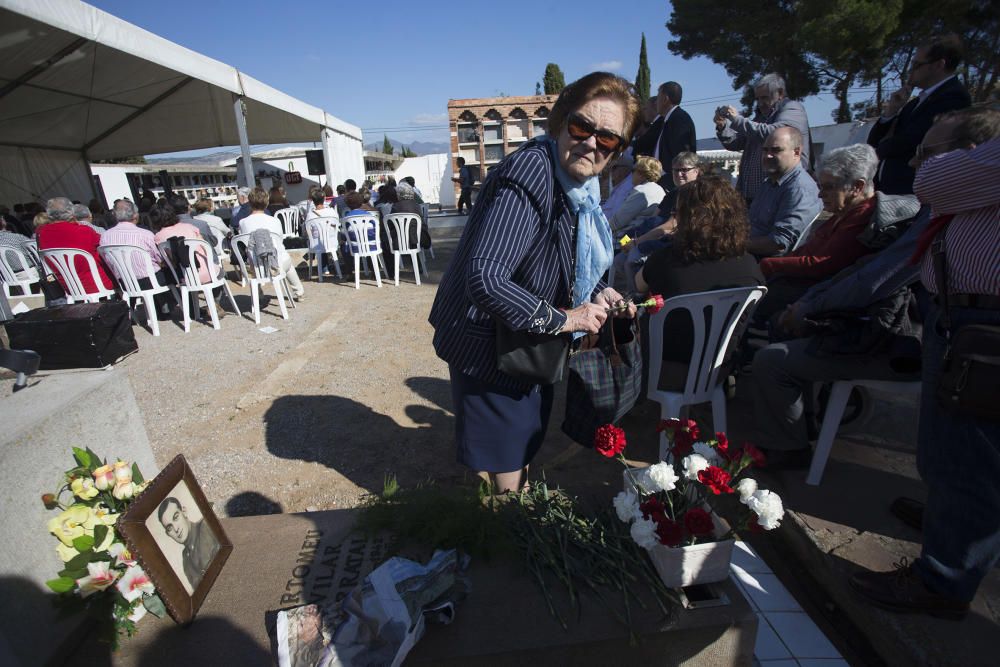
[[594, 251]]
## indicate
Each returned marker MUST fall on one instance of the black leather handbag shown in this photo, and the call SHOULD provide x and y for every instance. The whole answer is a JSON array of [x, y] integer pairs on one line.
[[531, 357], [970, 375]]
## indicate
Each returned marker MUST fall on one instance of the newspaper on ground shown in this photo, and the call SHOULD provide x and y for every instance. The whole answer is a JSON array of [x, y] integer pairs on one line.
[[380, 621]]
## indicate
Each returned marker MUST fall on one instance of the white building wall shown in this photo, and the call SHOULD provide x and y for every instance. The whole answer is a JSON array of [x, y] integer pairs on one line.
[[432, 176]]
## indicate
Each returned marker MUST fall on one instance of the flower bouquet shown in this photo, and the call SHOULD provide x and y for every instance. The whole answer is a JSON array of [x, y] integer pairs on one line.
[[669, 508], [97, 566]]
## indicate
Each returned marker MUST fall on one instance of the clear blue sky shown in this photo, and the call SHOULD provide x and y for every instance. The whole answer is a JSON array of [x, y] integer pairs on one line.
[[397, 63]]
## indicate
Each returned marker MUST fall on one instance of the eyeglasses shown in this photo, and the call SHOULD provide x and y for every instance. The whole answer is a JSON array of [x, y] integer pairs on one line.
[[917, 64], [683, 170], [581, 129]]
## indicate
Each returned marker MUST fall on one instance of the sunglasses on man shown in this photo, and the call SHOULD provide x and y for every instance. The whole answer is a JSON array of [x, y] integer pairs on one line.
[[581, 129]]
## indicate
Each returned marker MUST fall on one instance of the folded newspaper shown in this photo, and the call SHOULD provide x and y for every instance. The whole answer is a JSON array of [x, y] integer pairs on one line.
[[381, 619]]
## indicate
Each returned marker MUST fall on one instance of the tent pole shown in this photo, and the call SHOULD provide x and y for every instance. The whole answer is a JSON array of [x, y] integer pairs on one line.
[[241, 127], [93, 184]]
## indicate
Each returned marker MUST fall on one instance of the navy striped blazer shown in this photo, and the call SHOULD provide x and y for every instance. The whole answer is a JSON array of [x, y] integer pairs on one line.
[[514, 261]]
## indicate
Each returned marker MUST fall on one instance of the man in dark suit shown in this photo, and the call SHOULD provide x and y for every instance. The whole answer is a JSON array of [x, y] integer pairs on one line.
[[672, 132], [905, 121]]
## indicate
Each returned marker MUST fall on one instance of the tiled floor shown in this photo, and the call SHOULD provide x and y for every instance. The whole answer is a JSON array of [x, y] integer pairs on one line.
[[786, 636]]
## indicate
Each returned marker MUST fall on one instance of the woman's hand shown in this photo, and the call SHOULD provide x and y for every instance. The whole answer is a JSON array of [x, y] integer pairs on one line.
[[587, 317], [611, 299]]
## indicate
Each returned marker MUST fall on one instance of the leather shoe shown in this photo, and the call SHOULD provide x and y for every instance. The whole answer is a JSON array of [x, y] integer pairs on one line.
[[787, 459], [909, 511], [904, 591]]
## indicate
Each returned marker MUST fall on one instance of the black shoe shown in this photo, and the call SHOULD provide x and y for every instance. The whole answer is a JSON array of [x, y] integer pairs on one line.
[[909, 511], [787, 459], [904, 591]]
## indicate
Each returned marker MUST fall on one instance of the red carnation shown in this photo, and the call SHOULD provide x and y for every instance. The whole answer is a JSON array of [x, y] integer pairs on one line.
[[686, 433], [698, 522], [757, 456], [669, 532], [609, 440], [716, 479], [652, 508], [657, 304], [723, 448]]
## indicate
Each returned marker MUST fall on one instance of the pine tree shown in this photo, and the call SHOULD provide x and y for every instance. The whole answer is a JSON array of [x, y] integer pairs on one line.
[[642, 76], [553, 79], [538, 88], [386, 145]]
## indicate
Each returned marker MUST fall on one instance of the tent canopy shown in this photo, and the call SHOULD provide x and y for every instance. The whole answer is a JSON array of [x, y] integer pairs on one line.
[[76, 79]]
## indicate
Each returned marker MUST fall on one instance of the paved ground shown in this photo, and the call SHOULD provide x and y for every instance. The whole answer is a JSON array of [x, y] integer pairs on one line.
[[348, 390]]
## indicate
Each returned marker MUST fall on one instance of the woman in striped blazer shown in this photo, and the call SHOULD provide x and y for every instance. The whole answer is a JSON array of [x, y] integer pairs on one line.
[[531, 259]]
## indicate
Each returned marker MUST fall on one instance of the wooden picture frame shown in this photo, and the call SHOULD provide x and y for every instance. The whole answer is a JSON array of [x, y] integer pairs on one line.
[[181, 554]]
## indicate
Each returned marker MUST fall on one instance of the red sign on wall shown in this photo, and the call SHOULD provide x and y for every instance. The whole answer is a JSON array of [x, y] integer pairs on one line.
[[293, 177]]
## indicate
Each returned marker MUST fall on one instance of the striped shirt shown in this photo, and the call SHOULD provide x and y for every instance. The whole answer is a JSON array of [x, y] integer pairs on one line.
[[966, 184], [127, 233]]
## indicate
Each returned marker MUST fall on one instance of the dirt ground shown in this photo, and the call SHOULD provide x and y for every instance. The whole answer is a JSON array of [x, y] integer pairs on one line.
[[319, 412]]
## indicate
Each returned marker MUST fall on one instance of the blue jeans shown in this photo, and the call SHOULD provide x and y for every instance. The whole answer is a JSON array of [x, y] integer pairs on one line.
[[959, 459]]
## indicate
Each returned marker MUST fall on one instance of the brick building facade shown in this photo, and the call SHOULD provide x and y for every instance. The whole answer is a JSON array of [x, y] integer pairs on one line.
[[484, 130]]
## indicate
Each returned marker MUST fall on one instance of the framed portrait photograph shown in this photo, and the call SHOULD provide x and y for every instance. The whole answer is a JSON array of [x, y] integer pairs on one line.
[[176, 537]]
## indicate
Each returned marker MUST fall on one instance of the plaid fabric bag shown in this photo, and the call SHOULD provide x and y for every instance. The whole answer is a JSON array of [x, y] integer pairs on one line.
[[605, 379]]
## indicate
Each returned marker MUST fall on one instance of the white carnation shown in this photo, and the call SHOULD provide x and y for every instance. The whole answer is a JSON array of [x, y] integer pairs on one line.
[[644, 533], [768, 508], [694, 464], [662, 476], [708, 451], [626, 505], [746, 488]]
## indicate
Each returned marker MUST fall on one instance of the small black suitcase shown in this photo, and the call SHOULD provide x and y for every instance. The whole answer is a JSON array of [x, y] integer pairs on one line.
[[80, 335]]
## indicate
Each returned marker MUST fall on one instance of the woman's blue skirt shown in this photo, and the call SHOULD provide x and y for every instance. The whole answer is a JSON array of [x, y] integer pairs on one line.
[[498, 429]]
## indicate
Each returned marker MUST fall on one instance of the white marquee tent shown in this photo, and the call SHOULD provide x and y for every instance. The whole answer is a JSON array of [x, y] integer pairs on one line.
[[78, 84]]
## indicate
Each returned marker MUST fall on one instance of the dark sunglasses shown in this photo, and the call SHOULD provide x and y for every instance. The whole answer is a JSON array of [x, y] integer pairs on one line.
[[581, 129]]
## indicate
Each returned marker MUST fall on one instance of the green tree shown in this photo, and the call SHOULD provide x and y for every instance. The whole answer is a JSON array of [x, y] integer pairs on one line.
[[836, 45], [553, 79], [642, 76], [538, 88], [386, 145]]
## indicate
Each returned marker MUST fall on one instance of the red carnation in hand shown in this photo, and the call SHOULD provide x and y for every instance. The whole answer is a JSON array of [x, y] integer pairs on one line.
[[757, 456], [609, 440], [654, 304], [698, 522], [716, 479], [669, 532]]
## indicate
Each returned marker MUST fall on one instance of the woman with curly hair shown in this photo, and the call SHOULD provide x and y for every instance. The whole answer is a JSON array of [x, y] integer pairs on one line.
[[708, 253]]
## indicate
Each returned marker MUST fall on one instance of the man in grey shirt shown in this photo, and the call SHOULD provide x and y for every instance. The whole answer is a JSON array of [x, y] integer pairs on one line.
[[738, 133], [787, 201]]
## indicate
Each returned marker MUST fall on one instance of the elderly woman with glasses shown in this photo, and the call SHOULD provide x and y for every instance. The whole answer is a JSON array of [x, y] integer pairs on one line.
[[847, 188], [531, 260]]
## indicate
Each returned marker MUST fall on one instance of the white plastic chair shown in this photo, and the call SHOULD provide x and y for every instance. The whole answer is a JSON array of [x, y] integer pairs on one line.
[[361, 246], [22, 279], [289, 219], [189, 279], [398, 226], [262, 275], [123, 260], [324, 234], [62, 261], [724, 310], [840, 392]]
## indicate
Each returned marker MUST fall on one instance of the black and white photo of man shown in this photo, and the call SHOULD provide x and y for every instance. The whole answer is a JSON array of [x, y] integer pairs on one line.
[[196, 538]]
